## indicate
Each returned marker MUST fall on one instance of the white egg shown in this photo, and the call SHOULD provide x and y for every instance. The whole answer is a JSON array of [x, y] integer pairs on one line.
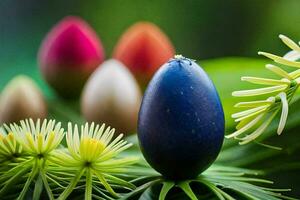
[[112, 96]]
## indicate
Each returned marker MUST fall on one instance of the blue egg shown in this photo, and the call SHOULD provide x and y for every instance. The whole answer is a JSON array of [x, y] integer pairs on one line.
[[181, 120]]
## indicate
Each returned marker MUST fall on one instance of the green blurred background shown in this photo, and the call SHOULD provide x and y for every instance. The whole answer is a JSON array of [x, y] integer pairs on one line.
[[199, 29]]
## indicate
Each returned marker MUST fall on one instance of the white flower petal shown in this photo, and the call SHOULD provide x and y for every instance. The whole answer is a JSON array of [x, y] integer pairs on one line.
[[277, 70], [292, 55], [258, 131], [248, 112], [284, 112], [265, 81], [290, 43], [260, 91], [246, 127], [280, 60], [295, 74]]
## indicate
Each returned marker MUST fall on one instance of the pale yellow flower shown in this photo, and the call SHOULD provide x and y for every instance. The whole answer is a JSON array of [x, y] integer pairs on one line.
[[253, 121], [93, 152], [38, 138], [9, 148]]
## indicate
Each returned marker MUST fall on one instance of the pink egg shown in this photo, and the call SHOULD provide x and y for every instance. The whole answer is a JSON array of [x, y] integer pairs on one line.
[[68, 55]]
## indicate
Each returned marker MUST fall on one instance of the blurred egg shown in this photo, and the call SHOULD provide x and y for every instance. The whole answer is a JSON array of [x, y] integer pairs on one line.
[[20, 99], [112, 96], [143, 48], [68, 55], [181, 120]]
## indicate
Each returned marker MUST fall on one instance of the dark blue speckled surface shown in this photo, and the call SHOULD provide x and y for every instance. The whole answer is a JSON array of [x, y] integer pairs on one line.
[[181, 120]]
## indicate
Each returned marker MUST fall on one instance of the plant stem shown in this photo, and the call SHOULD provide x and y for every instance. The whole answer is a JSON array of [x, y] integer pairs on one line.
[[72, 185], [30, 178], [88, 185], [47, 187], [38, 188]]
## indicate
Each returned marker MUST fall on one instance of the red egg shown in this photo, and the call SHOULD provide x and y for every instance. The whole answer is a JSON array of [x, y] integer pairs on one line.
[[143, 48], [68, 55]]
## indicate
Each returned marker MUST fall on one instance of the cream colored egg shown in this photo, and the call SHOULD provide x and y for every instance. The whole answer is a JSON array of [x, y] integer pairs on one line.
[[112, 96], [21, 98]]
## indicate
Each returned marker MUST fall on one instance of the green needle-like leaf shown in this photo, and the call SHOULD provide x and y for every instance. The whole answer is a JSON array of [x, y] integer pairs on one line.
[[71, 186], [167, 186], [141, 188], [105, 184], [119, 181], [46, 184], [185, 186], [14, 179], [32, 175], [38, 188]]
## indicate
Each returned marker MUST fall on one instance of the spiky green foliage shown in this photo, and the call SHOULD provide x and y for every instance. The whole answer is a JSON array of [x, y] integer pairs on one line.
[[93, 166], [218, 182], [33, 159]]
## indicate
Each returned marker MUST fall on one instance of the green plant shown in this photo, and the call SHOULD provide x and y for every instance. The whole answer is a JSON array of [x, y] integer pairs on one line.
[[260, 113], [32, 156], [41, 170]]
